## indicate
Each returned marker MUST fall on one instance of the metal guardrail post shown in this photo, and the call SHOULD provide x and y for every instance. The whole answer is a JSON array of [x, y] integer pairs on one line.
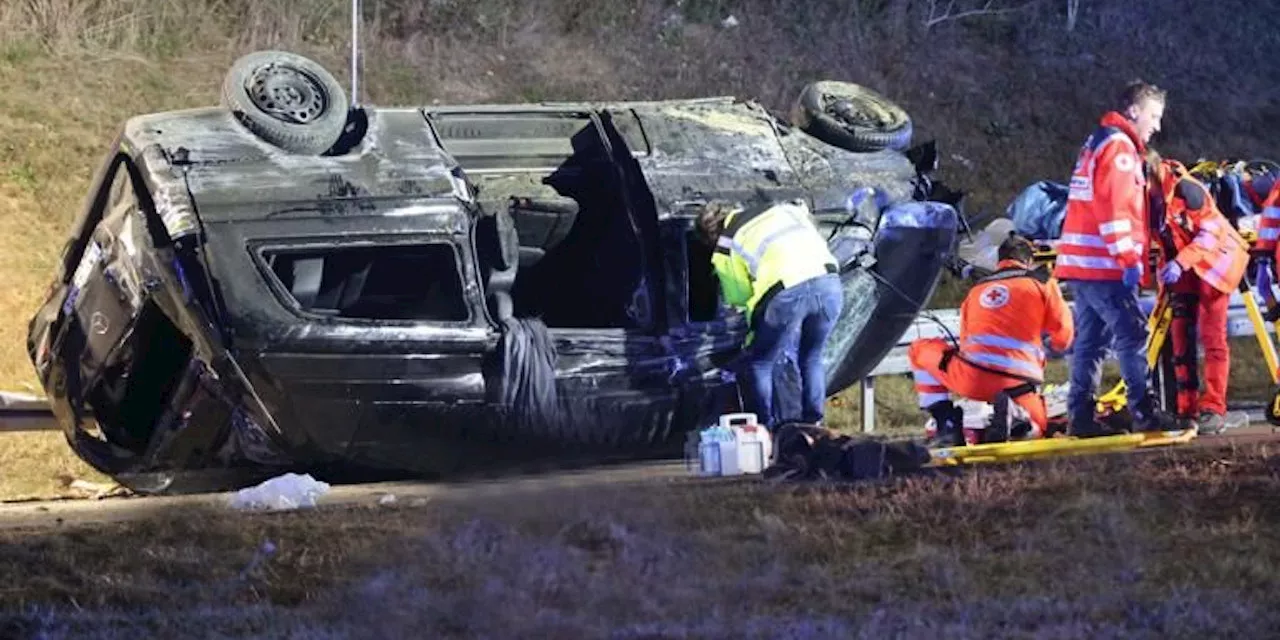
[[868, 404]]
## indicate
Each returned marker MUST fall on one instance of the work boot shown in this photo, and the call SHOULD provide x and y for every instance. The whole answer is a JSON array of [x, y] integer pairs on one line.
[[1188, 422], [1211, 424], [1001, 424], [950, 425], [1147, 418]]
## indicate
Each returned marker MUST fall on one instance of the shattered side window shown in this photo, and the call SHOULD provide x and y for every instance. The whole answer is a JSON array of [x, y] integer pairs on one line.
[[119, 219], [388, 282], [121, 201]]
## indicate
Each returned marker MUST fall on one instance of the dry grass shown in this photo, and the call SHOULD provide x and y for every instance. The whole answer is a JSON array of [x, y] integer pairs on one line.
[[40, 465], [1181, 543], [1009, 98]]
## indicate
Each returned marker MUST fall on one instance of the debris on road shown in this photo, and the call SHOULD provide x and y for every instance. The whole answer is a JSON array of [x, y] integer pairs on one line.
[[288, 491], [99, 490]]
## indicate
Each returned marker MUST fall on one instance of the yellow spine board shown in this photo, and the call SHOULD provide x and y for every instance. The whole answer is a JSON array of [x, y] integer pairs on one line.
[[1055, 447]]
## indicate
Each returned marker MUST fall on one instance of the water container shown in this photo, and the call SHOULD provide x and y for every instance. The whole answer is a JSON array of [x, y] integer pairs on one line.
[[736, 445], [710, 458], [716, 454]]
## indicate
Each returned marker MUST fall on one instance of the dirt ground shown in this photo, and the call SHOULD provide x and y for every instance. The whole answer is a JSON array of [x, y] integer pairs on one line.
[[1166, 544]]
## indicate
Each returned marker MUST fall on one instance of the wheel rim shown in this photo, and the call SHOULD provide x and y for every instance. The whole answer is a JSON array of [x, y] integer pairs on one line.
[[846, 111], [286, 93]]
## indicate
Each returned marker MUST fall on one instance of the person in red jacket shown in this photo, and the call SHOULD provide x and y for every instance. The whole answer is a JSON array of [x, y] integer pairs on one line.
[[999, 357], [1101, 256], [1203, 260], [1265, 194]]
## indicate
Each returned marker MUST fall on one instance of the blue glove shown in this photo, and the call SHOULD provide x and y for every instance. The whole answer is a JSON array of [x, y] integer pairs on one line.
[[1171, 272], [1132, 275], [1050, 352]]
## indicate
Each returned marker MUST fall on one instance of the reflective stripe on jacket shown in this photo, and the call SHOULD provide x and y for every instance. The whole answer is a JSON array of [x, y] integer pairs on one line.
[[1203, 238], [1104, 230], [765, 249], [1004, 317]]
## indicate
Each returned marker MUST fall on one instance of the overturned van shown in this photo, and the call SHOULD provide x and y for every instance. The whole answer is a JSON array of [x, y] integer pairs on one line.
[[283, 282]]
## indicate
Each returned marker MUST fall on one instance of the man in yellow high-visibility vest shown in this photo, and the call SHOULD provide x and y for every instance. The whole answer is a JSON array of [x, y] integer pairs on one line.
[[772, 261]]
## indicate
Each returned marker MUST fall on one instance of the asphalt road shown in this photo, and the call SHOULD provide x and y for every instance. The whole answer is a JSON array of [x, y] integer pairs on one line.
[[72, 511]]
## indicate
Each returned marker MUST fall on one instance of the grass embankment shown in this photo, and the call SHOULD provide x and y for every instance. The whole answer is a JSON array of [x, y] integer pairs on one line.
[[1009, 97], [1171, 544]]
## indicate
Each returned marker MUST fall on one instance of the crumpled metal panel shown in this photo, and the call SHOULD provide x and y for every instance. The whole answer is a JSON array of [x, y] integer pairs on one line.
[[226, 165]]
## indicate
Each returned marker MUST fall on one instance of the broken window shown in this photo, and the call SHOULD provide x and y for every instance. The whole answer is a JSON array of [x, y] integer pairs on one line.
[[385, 282], [704, 285]]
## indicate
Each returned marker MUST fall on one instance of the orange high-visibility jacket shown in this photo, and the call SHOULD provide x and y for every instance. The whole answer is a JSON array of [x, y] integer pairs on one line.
[[1204, 239], [1004, 316], [1269, 225], [1105, 228]]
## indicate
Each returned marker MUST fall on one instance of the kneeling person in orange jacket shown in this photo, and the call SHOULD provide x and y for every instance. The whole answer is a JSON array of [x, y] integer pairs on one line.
[[1203, 260], [999, 358]]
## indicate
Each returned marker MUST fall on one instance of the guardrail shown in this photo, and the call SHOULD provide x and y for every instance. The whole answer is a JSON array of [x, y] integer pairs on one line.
[[24, 412], [896, 363]]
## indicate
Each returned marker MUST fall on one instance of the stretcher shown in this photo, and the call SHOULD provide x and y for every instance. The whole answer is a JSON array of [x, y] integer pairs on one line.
[[1111, 405], [1053, 447]]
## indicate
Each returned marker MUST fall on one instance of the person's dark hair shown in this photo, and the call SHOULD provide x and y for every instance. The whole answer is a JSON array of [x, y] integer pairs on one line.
[[1137, 91], [1016, 247], [711, 219]]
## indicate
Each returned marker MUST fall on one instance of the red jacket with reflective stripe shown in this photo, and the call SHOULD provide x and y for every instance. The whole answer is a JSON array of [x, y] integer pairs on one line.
[[1269, 225], [1005, 315], [1105, 228], [1203, 238]]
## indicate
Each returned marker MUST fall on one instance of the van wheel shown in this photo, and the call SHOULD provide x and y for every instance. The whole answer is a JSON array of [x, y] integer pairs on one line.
[[287, 100], [851, 117]]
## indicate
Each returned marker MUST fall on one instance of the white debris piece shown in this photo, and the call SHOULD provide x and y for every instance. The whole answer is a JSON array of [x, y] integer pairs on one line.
[[729, 22], [98, 490], [983, 250], [288, 491], [387, 499]]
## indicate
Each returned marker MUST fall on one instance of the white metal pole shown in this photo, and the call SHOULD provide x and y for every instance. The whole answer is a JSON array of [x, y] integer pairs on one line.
[[355, 52]]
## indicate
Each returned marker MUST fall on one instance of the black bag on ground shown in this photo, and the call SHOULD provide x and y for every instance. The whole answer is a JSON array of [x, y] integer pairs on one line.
[[807, 452]]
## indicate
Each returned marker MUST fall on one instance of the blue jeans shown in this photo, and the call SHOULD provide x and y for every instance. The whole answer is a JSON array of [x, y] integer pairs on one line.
[[798, 318], [1105, 313]]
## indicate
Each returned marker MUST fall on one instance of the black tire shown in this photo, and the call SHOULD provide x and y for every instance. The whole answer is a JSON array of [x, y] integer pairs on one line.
[[852, 117], [287, 100]]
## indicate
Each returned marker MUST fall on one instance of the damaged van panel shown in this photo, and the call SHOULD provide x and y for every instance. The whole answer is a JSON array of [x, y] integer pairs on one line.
[[429, 290]]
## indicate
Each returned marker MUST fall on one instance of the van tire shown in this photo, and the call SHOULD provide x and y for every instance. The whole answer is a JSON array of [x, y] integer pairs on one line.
[[851, 117], [286, 100]]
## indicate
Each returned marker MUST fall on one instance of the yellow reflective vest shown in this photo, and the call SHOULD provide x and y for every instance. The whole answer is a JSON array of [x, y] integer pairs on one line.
[[765, 249]]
